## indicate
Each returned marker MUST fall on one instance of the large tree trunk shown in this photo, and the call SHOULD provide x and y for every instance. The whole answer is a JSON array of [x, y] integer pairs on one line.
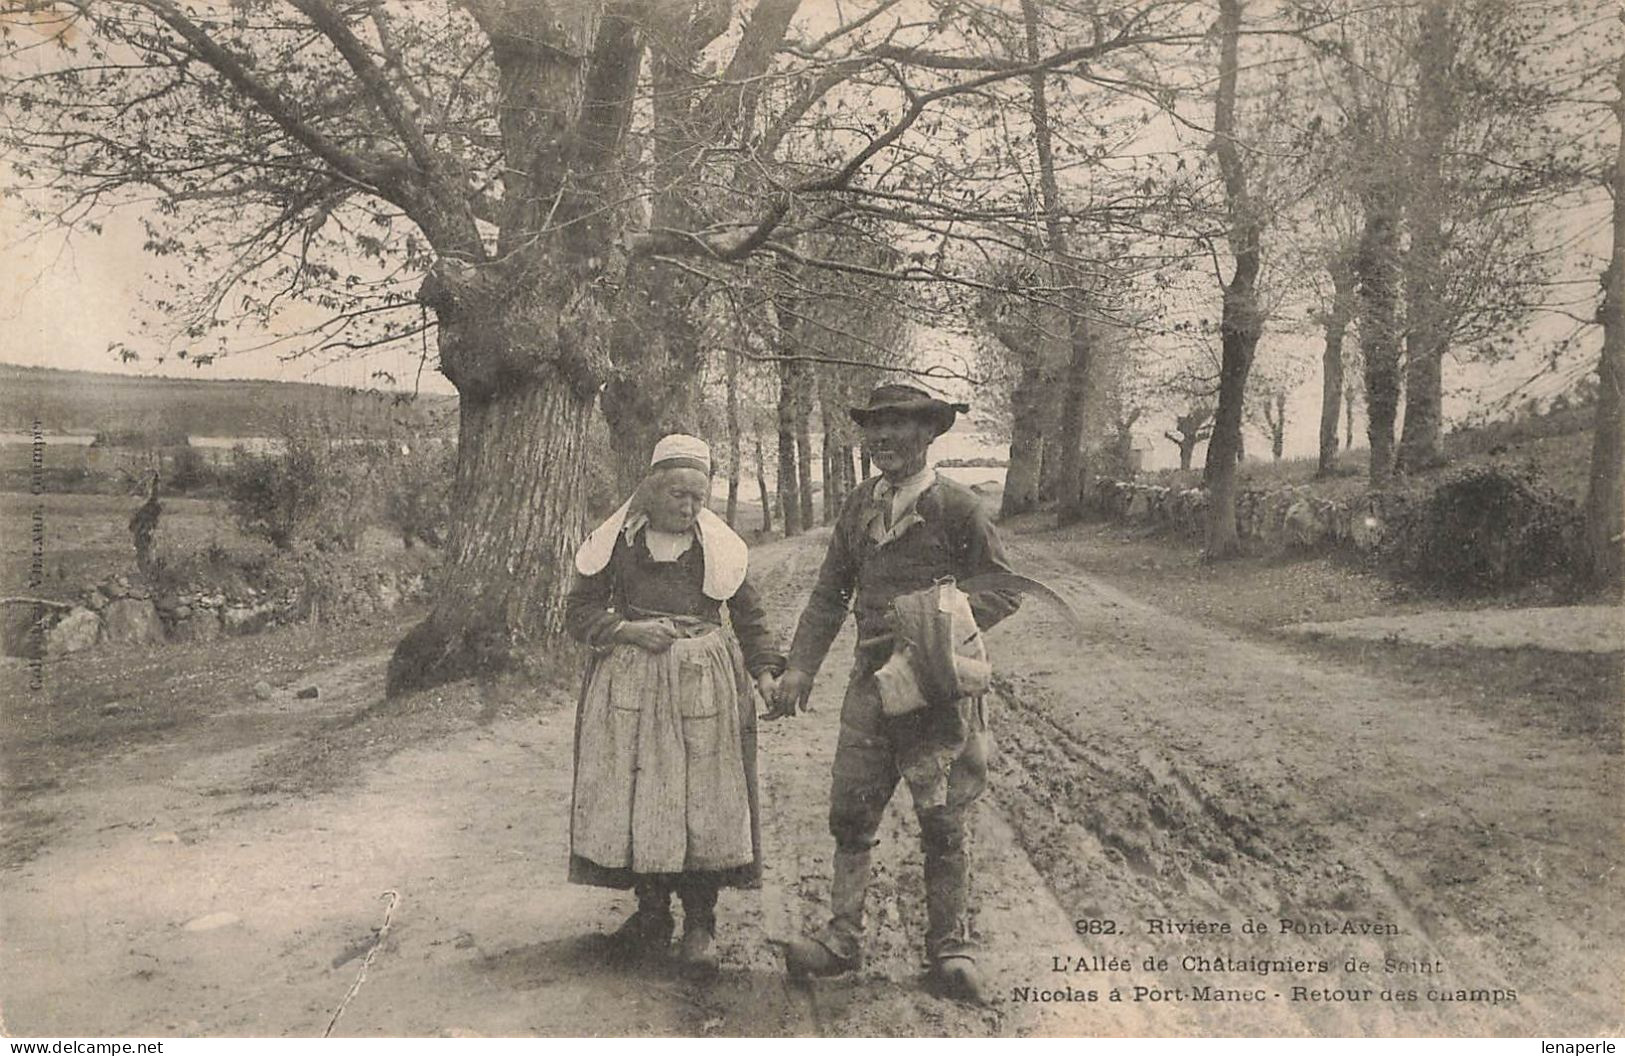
[[1331, 367], [1239, 333], [1049, 426], [1072, 485], [1422, 431], [522, 338], [1072, 493], [1427, 329], [658, 391], [1240, 322], [658, 344], [1605, 496], [1049, 447], [1022, 335], [509, 555], [1026, 436], [1377, 266]]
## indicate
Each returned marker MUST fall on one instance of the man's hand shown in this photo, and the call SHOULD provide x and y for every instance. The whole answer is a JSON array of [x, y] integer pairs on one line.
[[649, 635], [766, 685], [790, 694]]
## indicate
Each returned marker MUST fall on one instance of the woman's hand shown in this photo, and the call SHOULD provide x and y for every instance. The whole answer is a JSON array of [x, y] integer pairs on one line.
[[652, 636], [790, 694], [766, 685]]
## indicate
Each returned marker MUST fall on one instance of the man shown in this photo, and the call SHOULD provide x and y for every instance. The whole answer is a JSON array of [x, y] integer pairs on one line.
[[897, 534]]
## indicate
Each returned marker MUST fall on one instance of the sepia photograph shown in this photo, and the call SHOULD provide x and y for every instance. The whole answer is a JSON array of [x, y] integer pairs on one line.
[[812, 518]]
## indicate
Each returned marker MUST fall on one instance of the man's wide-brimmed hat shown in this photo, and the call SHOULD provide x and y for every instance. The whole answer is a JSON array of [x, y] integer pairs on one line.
[[916, 403]]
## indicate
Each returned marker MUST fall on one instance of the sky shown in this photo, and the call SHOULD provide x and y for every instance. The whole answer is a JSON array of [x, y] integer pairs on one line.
[[64, 302]]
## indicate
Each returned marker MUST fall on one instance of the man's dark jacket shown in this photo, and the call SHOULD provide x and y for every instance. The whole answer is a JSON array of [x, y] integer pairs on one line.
[[950, 536]]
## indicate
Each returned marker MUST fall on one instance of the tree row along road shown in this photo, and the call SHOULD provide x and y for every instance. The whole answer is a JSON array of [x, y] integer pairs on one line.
[[1157, 783]]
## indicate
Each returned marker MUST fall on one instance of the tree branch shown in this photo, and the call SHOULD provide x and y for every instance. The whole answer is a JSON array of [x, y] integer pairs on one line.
[[833, 77], [336, 30], [394, 59], [365, 174], [841, 178]]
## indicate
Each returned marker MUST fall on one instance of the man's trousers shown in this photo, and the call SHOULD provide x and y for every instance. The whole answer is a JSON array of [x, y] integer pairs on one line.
[[941, 751]]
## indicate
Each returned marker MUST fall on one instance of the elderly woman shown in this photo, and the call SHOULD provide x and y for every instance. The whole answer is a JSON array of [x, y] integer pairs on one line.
[[665, 795]]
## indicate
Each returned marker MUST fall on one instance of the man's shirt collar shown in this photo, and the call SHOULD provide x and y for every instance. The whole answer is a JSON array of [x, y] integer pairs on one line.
[[893, 510], [908, 488]]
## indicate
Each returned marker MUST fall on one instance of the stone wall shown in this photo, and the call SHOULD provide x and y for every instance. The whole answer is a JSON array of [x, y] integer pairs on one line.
[[122, 610], [1292, 517]]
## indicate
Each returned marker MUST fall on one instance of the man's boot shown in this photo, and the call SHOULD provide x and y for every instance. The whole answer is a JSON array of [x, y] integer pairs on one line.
[[839, 947], [947, 894], [960, 979]]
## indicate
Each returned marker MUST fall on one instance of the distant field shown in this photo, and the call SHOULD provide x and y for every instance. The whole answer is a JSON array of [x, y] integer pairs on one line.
[[81, 468], [87, 538], [67, 401]]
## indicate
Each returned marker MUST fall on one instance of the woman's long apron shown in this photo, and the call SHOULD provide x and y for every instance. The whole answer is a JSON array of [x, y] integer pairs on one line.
[[664, 779]]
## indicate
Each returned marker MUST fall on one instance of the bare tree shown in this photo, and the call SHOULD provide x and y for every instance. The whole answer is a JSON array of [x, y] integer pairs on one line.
[[1122, 449], [1335, 319], [1272, 406], [1015, 321], [1191, 428], [763, 495], [734, 436], [1605, 495], [792, 380], [1242, 321], [1437, 115], [1069, 428], [1446, 149]]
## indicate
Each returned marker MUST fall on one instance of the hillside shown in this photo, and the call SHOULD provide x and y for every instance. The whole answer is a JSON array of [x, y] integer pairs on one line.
[[79, 401]]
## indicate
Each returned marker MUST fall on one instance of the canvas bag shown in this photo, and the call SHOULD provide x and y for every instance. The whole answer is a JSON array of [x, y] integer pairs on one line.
[[937, 656]]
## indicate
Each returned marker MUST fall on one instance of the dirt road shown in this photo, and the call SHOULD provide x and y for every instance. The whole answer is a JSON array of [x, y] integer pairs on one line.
[[1160, 789]]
